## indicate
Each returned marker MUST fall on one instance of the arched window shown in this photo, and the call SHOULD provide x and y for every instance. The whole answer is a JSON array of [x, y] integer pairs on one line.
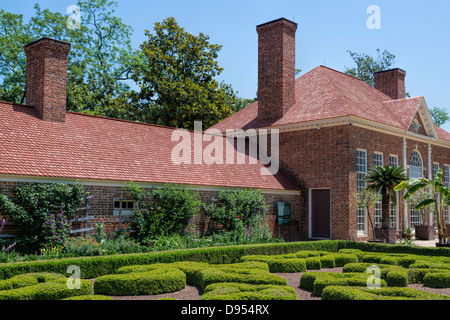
[[415, 165]]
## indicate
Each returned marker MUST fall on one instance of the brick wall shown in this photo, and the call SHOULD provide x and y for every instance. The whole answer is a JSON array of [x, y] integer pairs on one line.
[[102, 208]]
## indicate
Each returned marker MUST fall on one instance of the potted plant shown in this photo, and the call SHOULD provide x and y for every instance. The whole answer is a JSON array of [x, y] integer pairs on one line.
[[383, 180], [423, 231], [407, 233], [440, 197]]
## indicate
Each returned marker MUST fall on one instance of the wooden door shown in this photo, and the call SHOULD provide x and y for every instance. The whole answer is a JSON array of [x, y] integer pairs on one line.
[[320, 213]]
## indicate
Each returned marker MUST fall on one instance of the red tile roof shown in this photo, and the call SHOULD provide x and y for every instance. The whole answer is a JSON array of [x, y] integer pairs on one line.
[[324, 93], [89, 147]]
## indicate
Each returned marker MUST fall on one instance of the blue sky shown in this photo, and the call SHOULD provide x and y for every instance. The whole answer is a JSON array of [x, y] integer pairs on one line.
[[417, 32]]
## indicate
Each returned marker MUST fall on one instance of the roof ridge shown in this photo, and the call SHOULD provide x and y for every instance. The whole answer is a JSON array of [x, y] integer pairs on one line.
[[124, 120]]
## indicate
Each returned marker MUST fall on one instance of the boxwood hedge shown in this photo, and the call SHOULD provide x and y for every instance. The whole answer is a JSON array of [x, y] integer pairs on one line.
[[363, 293], [437, 280], [244, 291], [157, 281]]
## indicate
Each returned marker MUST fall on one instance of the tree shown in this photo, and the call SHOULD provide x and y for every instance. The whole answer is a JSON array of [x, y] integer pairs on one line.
[[100, 60], [440, 116], [177, 81], [383, 180], [366, 65], [438, 200], [367, 199]]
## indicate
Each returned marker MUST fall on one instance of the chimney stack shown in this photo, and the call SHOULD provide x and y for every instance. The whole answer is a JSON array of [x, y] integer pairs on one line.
[[46, 78], [276, 68], [391, 83]]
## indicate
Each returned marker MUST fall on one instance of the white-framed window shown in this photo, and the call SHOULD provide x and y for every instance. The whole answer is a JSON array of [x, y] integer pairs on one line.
[[393, 162], [415, 165], [435, 169], [124, 207], [378, 161], [447, 183], [415, 171], [361, 172]]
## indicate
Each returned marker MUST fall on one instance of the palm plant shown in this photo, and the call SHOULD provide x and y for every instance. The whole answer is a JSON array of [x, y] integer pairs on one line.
[[439, 198], [383, 180]]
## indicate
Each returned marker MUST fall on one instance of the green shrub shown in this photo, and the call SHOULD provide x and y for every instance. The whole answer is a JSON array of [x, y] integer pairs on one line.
[[162, 211], [341, 259], [313, 263], [244, 291], [371, 258], [427, 264], [363, 267], [389, 260], [287, 265], [364, 293], [307, 280], [31, 206], [203, 278], [89, 297], [437, 280], [239, 209], [417, 275], [397, 278], [327, 261], [308, 254], [46, 291], [407, 260], [19, 281], [341, 279], [145, 283]]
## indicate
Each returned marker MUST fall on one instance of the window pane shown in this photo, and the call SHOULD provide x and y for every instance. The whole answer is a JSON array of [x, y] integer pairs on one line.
[[415, 165]]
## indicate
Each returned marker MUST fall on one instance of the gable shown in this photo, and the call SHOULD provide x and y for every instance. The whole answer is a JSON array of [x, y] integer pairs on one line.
[[422, 122]]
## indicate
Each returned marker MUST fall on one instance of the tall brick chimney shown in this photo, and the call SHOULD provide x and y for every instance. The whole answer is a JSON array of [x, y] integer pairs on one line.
[[391, 83], [276, 68], [46, 78]]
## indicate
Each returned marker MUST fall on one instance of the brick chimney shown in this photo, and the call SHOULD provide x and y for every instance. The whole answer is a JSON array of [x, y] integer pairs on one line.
[[46, 78], [276, 68], [391, 83]]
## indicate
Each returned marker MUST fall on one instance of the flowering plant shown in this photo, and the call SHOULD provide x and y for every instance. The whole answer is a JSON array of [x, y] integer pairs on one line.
[[56, 229]]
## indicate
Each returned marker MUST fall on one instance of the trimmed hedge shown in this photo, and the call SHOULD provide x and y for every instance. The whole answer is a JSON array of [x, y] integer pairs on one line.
[[90, 297], [287, 265], [341, 279], [143, 283], [243, 291], [437, 280], [46, 291], [205, 277], [362, 268], [363, 293], [93, 267], [313, 263], [316, 281], [397, 278]]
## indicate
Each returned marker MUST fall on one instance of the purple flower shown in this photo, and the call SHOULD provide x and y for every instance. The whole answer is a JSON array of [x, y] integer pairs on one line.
[[3, 225]]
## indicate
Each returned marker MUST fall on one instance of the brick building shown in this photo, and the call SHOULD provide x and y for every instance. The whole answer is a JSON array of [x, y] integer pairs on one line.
[[332, 128]]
